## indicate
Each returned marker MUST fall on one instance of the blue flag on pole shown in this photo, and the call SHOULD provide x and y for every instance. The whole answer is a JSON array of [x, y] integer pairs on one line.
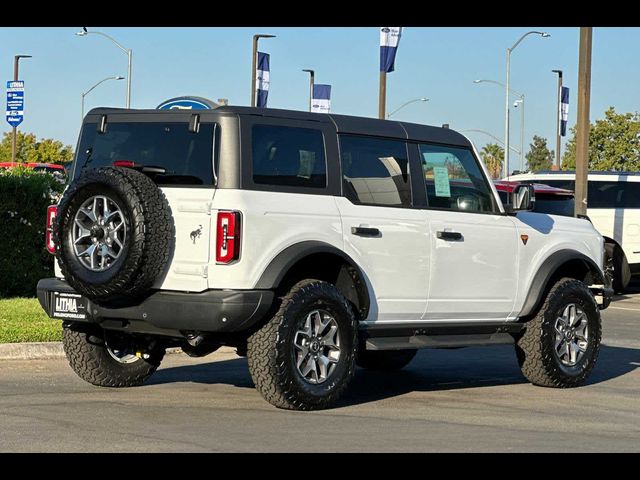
[[321, 99], [262, 79], [389, 40], [564, 111]]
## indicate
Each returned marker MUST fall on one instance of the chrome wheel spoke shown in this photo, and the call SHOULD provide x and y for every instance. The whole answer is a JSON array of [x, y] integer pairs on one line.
[[316, 347], [99, 226], [571, 335], [88, 213], [328, 340]]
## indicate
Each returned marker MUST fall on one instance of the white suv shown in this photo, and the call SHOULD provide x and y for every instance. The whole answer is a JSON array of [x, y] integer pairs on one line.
[[613, 205], [311, 243]]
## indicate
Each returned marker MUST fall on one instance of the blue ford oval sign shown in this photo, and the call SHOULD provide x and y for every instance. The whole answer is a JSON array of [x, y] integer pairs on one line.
[[187, 103]]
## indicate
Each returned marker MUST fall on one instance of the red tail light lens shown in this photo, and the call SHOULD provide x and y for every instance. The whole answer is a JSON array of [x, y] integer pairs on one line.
[[52, 211], [228, 237], [124, 163]]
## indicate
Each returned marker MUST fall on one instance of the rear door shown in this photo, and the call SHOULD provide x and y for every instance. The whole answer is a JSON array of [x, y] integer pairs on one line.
[[382, 231]]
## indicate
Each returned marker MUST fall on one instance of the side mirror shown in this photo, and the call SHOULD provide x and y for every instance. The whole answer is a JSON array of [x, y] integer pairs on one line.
[[523, 198]]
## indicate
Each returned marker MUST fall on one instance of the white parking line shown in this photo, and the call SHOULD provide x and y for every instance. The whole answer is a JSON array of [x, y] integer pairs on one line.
[[630, 309]]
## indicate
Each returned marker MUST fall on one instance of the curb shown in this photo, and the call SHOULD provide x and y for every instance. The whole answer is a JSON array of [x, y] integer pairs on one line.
[[45, 350]]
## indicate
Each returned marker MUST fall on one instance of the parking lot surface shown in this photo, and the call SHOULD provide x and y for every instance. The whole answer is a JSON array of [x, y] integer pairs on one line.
[[471, 399]]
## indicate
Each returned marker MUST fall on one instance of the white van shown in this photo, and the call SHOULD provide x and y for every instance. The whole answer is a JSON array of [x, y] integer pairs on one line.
[[613, 205]]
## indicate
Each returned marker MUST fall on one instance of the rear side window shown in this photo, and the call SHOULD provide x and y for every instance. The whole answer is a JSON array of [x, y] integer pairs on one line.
[[185, 157], [288, 156], [375, 171], [604, 194], [622, 194]]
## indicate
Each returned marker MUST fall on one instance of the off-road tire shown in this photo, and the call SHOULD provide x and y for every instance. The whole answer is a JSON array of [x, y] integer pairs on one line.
[[535, 348], [616, 267], [384, 360], [88, 356], [147, 246], [269, 352]]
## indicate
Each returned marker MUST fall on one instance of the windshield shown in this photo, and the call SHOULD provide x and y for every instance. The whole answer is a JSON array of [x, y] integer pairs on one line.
[[178, 156]]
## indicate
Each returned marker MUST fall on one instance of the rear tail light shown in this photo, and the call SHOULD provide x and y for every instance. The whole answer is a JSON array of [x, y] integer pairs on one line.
[[228, 237], [52, 211], [124, 163]]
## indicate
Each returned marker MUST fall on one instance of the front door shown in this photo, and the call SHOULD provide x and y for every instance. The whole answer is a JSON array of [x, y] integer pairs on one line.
[[474, 250]]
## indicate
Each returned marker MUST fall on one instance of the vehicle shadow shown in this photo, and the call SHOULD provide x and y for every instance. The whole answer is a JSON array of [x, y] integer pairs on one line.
[[431, 370]]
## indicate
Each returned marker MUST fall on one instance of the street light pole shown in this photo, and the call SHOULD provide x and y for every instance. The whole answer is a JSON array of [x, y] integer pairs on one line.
[[128, 51], [254, 64], [422, 99], [559, 72], [88, 91], [521, 102], [311, 81], [506, 94], [16, 76]]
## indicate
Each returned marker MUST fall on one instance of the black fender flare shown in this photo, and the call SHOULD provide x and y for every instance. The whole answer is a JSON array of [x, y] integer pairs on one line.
[[546, 271], [287, 258]]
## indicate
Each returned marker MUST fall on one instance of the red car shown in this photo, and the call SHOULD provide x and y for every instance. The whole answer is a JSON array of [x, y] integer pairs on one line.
[[551, 200], [38, 167]]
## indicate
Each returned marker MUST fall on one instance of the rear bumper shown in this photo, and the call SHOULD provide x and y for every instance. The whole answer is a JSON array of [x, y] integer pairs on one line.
[[209, 311]]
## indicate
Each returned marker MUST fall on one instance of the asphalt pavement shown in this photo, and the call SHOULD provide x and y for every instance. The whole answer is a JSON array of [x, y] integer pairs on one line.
[[464, 400]]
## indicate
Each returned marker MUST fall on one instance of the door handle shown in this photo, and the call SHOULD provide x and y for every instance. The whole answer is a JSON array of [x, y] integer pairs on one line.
[[366, 232], [449, 235]]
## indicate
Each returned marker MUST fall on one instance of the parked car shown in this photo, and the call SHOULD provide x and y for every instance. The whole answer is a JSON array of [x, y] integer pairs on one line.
[[53, 168], [613, 205], [311, 243], [550, 200]]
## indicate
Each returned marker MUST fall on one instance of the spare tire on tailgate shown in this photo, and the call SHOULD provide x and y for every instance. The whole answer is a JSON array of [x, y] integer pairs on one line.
[[113, 234]]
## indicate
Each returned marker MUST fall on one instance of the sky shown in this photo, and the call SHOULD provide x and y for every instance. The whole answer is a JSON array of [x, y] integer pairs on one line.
[[437, 63]]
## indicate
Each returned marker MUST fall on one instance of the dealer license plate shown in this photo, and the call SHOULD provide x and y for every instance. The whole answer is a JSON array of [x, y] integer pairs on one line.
[[68, 306]]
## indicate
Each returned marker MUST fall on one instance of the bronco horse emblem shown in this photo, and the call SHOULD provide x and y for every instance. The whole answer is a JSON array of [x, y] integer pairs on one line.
[[196, 234]]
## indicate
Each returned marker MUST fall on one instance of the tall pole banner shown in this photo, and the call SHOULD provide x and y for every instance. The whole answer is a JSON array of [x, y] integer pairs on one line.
[[564, 111], [389, 40], [321, 102], [262, 79]]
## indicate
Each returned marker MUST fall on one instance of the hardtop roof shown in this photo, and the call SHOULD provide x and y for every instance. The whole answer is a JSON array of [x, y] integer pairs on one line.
[[343, 123]]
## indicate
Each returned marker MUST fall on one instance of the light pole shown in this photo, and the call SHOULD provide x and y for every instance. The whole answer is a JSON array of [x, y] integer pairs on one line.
[[16, 68], [253, 65], [128, 51], [559, 72], [506, 95], [88, 91], [312, 75], [519, 101], [423, 99]]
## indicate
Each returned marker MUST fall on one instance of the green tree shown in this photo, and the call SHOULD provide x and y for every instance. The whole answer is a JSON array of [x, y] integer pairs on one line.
[[613, 143], [539, 156], [493, 157], [28, 149]]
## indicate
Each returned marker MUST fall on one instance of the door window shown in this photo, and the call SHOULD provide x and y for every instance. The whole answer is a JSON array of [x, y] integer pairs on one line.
[[375, 171], [454, 180]]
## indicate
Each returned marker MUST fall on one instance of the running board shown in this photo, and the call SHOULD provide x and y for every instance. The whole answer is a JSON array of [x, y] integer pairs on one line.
[[412, 336]]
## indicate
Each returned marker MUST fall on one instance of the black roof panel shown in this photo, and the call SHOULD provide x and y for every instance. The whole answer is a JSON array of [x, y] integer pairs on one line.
[[343, 123]]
